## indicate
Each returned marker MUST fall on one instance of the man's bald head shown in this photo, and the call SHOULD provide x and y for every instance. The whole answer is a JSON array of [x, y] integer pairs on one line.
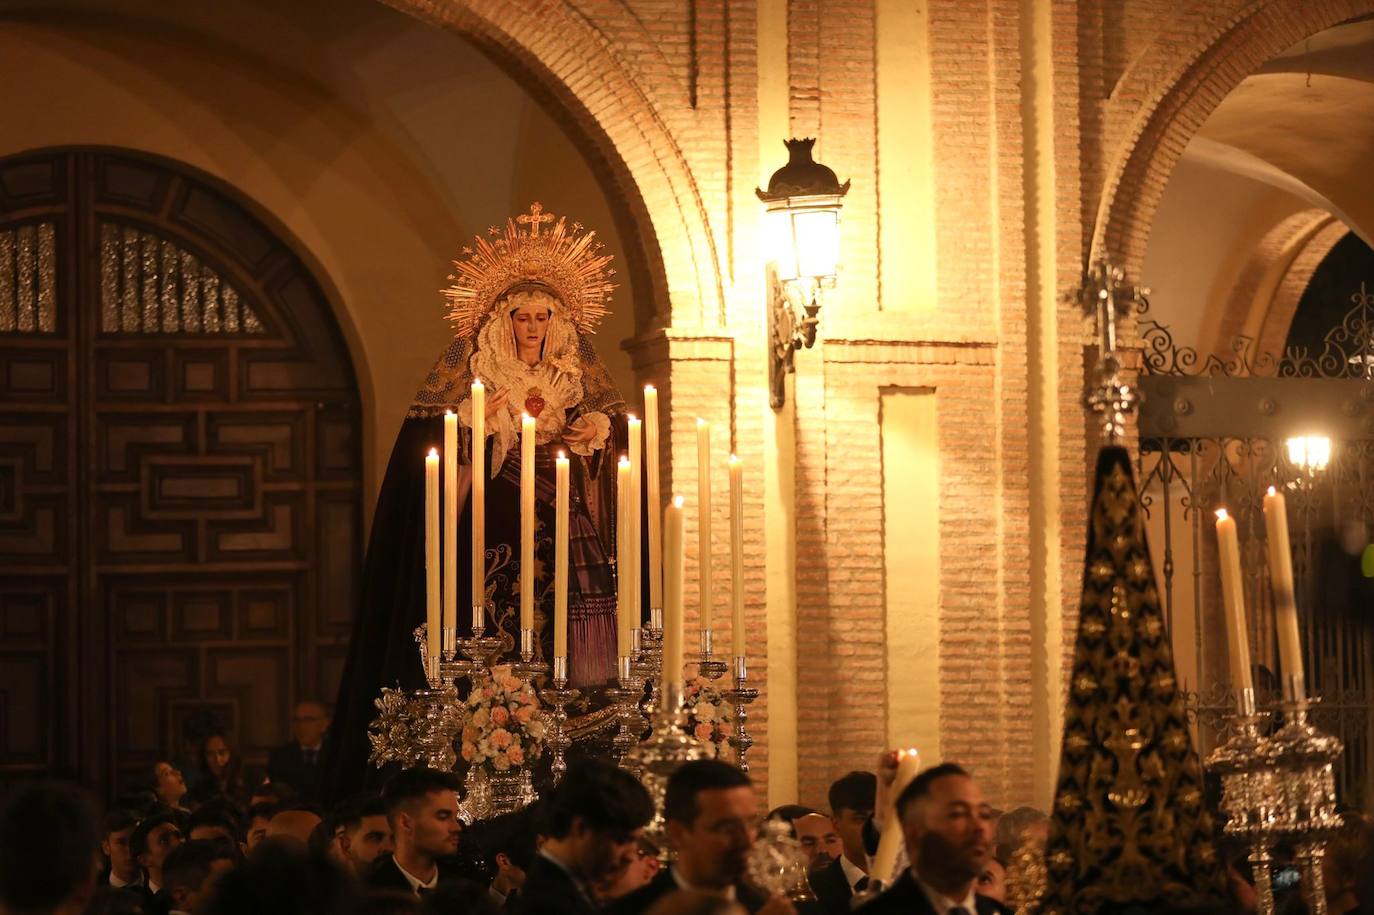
[[293, 826]]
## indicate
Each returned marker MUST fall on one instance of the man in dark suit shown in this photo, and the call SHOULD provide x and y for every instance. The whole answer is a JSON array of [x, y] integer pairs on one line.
[[297, 763], [422, 807], [948, 829], [710, 811], [851, 806], [592, 825]]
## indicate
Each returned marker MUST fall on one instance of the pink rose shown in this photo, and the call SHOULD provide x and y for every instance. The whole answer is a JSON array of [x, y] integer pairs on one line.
[[499, 716], [702, 731], [467, 751], [524, 714], [516, 756], [501, 738], [501, 762]]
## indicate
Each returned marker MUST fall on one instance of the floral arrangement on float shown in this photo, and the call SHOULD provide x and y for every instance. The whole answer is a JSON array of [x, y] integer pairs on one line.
[[709, 716], [504, 728]]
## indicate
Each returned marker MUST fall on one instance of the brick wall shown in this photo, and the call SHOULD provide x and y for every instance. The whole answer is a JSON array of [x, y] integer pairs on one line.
[[661, 97]]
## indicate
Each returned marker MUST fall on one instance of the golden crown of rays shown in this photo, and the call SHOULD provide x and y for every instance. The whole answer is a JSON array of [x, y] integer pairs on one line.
[[562, 257]]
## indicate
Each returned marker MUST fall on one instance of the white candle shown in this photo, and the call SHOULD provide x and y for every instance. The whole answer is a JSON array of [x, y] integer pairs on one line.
[[479, 503], [737, 556], [526, 521], [432, 596], [1233, 599], [636, 430], [1281, 575], [908, 765], [560, 558], [450, 613], [622, 522], [655, 519], [704, 521], [674, 557]]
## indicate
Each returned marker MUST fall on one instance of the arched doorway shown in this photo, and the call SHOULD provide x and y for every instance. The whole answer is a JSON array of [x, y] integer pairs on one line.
[[179, 469]]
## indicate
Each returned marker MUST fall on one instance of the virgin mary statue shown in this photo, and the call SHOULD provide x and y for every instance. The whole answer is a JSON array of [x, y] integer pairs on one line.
[[523, 304]]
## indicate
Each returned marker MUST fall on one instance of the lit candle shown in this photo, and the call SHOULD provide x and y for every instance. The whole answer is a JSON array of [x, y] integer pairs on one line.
[[908, 765], [675, 557], [560, 558], [655, 519], [704, 520], [479, 503], [432, 596], [1233, 598], [1281, 575], [526, 521], [622, 522], [450, 614], [737, 555], [636, 429]]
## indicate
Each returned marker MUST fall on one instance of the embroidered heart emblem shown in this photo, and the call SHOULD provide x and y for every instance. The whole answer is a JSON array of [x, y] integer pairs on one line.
[[534, 404]]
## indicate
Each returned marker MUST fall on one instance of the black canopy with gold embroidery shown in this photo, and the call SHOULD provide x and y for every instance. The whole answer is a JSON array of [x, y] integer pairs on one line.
[[1129, 824]]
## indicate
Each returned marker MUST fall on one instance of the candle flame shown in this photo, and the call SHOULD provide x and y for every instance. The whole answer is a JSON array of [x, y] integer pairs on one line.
[[678, 501], [632, 417], [624, 459], [476, 382], [734, 459], [448, 413], [1271, 490], [1221, 514], [562, 456], [648, 388], [433, 452], [700, 421], [525, 417]]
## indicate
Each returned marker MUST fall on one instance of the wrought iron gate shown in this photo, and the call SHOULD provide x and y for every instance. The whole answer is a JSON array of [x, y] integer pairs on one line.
[[1213, 434]]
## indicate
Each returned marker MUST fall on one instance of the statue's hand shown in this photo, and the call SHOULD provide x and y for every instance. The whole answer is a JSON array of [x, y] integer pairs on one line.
[[579, 432], [496, 403]]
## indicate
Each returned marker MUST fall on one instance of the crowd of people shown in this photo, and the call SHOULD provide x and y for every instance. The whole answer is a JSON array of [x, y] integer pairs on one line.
[[234, 843]]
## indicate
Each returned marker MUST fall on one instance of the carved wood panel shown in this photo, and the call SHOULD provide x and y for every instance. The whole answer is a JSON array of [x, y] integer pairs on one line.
[[179, 468]]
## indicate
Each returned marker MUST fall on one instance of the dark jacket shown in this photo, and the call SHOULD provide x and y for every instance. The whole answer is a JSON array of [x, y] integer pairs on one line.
[[643, 898], [831, 887], [287, 765], [549, 890], [386, 875], [906, 898]]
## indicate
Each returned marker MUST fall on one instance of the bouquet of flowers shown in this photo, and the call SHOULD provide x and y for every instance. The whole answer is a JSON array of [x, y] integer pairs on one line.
[[504, 727], [709, 716]]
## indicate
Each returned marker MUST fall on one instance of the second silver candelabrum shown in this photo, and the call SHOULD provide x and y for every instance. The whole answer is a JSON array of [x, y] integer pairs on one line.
[[1280, 789], [741, 695], [668, 746], [557, 694], [626, 697]]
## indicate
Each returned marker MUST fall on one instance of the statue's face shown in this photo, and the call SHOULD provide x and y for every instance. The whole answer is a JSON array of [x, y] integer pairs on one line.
[[530, 314]]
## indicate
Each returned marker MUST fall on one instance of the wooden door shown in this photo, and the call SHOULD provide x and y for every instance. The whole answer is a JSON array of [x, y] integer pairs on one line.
[[179, 469]]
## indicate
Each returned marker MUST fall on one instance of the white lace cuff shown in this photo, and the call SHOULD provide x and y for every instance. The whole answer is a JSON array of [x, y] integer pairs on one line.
[[602, 423]]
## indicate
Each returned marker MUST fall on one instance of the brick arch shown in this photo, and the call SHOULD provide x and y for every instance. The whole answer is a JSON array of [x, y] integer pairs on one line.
[[1284, 306], [1248, 306], [1174, 90], [580, 68]]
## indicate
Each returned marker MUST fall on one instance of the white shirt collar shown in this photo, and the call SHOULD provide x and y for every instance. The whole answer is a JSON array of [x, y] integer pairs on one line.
[[852, 872], [153, 887], [120, 884], [681, 881], [942, 904], [416, 884]]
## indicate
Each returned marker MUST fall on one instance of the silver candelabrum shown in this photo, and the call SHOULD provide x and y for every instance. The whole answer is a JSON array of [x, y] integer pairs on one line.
[[557, 694], [668, 746], [1280, 789], [626, 696], [419, 727], [741, 695], [648, 659]]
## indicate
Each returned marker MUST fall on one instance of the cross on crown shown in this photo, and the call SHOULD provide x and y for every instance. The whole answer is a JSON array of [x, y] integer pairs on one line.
[[534, 218]]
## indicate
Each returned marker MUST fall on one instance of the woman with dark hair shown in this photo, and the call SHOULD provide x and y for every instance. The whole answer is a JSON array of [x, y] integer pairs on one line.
[[221, 773]]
